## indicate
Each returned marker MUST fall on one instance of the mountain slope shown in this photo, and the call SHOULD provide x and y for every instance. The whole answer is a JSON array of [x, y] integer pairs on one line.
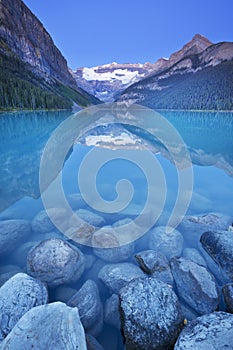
[[107, 80], [33, 72], [197, 81]]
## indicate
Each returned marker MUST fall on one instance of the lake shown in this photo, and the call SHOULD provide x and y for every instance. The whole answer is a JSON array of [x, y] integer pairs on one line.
[[208, 141]]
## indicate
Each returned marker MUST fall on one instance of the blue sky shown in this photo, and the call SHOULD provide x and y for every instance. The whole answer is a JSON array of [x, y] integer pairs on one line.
[[90, 32]]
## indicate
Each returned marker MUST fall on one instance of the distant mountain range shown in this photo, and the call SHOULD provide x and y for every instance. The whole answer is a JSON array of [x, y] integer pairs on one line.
[[107, 81], [199, 76], [33, 72]]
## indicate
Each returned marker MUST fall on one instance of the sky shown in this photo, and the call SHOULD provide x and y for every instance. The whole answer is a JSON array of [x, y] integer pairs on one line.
[[90, 32]]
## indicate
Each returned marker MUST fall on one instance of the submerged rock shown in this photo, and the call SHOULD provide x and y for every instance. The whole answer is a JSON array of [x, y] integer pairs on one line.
[[212, 332], [52, 326], [87, 299], [55, 262], [155, 264], [195, 285], [219, 245], [116, 276], [192, 227], [150, 315], [193, 255], [169, 244], [42, 221], [227, 292], [18, 295], [89, 217], [106, 238], [12, 233], [111, 311]]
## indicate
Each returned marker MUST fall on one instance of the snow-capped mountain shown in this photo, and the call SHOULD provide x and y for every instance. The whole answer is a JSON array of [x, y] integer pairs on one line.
[[110, 79]]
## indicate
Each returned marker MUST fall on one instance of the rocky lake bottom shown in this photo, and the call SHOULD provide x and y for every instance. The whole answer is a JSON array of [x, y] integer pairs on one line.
[[164, 290]]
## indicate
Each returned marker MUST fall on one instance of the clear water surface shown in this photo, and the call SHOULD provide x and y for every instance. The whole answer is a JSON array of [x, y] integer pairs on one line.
[[208, 136]]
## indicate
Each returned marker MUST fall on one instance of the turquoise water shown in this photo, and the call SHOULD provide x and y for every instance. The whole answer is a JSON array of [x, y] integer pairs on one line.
[[208, 137]]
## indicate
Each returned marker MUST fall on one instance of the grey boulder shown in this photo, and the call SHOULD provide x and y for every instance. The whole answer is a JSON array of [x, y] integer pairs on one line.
[[116, 276], [155, 264], [169, 244], [219, 245], [52, 326], [150, 315], [227, 292], [55, 262], [12, 233], [195, 285], [192, 227], [17, 296], [87, 299], [212, 332]]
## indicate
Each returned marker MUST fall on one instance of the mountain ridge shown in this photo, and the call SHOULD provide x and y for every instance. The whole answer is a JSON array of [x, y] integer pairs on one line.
[[203, 79], [107, 81], [30, 61]]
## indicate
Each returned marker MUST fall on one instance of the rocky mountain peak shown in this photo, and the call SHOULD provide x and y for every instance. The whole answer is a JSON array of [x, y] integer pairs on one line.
[[198, 44]]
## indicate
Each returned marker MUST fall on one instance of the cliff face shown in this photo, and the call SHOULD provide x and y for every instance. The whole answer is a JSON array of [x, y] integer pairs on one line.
[[33, 72], [27, 38]]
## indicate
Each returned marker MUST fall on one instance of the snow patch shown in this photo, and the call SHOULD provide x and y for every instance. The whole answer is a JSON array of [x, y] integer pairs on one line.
[[123, 75]]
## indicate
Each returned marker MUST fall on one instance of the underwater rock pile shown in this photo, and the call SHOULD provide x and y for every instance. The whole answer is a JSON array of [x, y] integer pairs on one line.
[[163, 291]]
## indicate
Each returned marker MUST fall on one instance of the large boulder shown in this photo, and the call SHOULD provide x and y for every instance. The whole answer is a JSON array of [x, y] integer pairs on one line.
[[155, 264], [55, 262], [227, 292], [192, 227], [195, 285], [116, 276], [219, 245], [52, 326], [87, 299], [18, 295], [212, 332], [169, 244], [12, 233], [150, 315]]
